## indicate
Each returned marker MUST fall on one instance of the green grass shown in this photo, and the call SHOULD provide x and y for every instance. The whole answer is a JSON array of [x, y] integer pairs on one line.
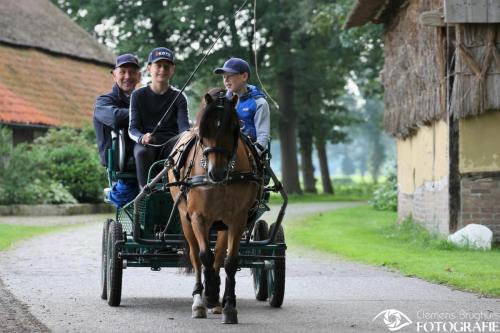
[[371, 236], [317, 197], [346, 189], [9, 234]]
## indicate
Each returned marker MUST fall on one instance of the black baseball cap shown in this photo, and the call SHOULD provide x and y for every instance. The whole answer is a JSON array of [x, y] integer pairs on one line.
[[161, 53], [127, 58], [234, 65]]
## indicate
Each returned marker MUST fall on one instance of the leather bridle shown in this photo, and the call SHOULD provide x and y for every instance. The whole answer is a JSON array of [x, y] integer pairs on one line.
[[221, 102]]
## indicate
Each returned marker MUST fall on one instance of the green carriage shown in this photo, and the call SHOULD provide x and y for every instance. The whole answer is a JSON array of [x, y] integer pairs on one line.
[[146, 232]]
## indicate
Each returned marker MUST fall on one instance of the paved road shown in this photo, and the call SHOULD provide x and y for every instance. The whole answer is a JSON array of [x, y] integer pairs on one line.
[[56, 277]]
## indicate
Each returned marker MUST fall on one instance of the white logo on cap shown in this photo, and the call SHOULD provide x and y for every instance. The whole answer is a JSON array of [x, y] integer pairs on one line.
[[162, 53]]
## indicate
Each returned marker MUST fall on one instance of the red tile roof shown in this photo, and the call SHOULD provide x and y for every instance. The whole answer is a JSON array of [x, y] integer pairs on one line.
[[47, 89]]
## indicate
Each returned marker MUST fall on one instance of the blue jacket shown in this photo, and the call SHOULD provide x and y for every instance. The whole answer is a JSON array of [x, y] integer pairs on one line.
[[253, 111], [110, 113]]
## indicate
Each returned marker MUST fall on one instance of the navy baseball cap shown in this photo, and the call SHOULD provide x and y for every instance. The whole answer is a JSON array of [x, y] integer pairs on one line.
[[127, 58], [161, 53], [234, 65]]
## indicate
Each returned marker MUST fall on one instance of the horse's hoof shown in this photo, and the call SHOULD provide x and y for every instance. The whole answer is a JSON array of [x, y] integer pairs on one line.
[[199, 313], [198, 309], [216, 309], [229, 316]]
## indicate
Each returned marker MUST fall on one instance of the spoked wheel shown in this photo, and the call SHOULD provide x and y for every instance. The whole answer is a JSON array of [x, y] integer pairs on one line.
[[114, 267], [104, 255], [259, 274], [276, 275]]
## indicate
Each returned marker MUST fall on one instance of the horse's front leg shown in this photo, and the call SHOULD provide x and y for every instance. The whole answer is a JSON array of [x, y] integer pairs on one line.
[[229, 313], [211, 279], [199, 310], [220, 255]]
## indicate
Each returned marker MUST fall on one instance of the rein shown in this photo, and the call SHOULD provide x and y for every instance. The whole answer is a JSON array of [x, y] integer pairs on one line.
[[189, 182]]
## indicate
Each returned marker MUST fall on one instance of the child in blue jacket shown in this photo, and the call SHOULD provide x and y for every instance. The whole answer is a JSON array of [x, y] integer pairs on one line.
[[252, 107]]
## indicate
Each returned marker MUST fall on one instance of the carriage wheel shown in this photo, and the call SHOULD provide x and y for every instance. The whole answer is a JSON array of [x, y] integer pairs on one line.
[[114, 269], [104, 255], [276, 275], [259, 274]]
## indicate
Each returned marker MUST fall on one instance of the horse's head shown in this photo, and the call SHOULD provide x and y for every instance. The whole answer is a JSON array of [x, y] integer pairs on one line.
[[219, 134]]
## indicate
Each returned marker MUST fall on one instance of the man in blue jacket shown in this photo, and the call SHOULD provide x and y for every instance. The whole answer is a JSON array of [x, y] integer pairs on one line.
[[111, 111], [252, 107], [148, 105]]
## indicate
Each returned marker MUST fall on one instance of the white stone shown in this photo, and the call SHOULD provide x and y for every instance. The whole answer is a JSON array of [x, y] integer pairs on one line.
[[474, 236]]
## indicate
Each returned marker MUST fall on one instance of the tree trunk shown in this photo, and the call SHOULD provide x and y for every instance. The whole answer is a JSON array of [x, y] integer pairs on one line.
[[323, 166], [377, 157], [288, 141], [288, 123], [306, 149]]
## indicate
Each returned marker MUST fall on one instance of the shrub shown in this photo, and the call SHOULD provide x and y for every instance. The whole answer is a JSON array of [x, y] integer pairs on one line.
[[49, 192], [23, 181], [385, 196], [70, 158]]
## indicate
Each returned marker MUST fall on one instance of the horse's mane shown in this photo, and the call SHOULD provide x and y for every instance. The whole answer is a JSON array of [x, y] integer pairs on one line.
[[208, 113]]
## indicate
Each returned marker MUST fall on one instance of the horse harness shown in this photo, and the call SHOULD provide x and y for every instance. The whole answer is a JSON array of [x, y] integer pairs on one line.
[[187, 181], [177, 160]]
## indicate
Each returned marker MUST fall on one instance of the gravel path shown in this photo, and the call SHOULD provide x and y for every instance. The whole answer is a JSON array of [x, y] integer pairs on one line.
[[15, 316], [56, 278]]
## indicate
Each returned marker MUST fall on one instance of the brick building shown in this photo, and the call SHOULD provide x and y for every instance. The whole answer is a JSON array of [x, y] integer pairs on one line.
[[442, 104], [51, 70]]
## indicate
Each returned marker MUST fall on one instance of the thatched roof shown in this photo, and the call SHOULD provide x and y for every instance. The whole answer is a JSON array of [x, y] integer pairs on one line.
[[414, 63], [39, 24], [364, 11], [414, 71]]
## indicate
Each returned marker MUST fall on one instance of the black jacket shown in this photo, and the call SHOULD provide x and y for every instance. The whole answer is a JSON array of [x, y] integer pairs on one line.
[[110, 112], [147, 108]]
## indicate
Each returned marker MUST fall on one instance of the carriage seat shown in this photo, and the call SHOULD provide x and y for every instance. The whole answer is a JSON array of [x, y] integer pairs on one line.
[[121, 169], [121, 155]]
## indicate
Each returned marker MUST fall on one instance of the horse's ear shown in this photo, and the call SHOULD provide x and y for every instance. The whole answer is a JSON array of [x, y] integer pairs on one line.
[[208, 99], [234, 100]]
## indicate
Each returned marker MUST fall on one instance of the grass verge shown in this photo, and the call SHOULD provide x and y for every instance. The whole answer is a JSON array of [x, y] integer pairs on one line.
[[370, 236], [9, 234], [313, 197], [346, 189]]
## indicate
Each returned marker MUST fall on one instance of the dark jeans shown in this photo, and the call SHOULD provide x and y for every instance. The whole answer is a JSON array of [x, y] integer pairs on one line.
[[145, 156]]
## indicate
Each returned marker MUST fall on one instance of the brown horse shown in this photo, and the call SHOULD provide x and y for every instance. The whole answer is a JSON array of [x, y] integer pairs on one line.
[[212, 197]]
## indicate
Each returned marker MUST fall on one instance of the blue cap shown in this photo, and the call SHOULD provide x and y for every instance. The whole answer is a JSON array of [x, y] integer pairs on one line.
[[234, 65], [161, 53], [126, 58]]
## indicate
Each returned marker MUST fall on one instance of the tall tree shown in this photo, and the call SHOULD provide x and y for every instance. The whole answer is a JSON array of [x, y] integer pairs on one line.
[[324, 69], [330, 55], [303, 53], [373, 110], [190, 27]]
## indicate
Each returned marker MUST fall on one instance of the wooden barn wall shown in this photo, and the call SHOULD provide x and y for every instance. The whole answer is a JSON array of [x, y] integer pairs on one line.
[[414, 70], [476, 86]]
